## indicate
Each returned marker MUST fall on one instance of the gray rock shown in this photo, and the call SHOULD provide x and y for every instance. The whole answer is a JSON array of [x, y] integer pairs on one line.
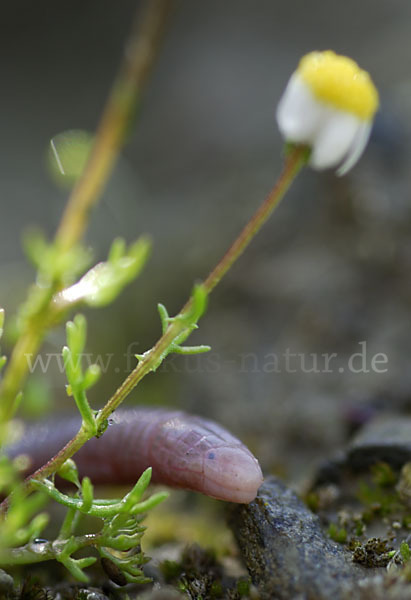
[[387, 438], [286, 552], [6, 583]]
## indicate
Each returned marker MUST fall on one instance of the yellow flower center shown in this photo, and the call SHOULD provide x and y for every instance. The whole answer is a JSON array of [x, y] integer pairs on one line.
[[339, 81]]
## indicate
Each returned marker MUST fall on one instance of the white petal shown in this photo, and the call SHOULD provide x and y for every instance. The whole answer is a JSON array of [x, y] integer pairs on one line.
[[334, 138], [299, 113], [357, 148]]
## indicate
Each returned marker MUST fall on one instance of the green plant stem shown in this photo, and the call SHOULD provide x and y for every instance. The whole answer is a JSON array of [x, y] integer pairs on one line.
[[295, 160], [18, 366], [29, 554], [140, 53]]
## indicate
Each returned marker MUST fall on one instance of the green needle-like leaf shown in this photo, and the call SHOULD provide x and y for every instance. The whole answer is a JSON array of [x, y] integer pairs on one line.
[[191, 349], [87, 494], [138, 490], [164, 317]]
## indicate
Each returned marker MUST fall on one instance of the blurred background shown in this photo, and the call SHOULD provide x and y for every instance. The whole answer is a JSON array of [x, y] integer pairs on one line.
[[330, 273]]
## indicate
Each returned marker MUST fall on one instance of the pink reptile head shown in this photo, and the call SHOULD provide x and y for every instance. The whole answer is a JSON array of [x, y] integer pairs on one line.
[[232, 473]]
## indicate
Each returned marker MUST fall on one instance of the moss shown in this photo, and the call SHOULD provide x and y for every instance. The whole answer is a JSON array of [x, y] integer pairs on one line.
[[243, 586], [338, 534], [375, 552], [199, 574], [312, 500], [171, 570], [383, 475], [405, 551], [32, 589]]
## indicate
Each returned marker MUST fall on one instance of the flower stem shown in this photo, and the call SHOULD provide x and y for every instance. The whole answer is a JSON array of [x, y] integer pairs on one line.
[[295, 160], [140, 53], [139, 56]]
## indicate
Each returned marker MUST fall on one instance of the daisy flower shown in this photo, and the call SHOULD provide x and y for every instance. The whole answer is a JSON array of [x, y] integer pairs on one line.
[[329, 105]]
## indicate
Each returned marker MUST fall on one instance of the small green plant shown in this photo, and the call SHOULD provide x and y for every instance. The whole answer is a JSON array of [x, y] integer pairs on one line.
[[63, 283], [405, 551], [117, 541], [338, 534]]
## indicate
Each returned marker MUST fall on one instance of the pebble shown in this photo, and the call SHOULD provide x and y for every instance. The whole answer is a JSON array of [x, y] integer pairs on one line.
[[285, 550]]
